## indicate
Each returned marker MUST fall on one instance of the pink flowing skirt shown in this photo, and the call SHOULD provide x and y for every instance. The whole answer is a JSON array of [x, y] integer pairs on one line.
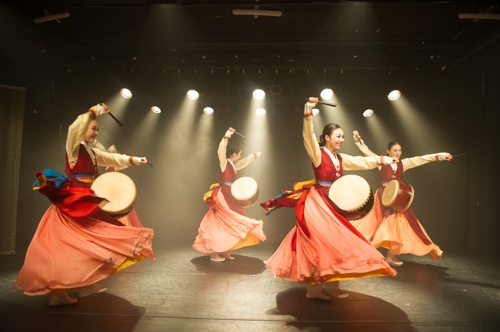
[[68, 253], [332, 252], [223, 229], [395, 233]]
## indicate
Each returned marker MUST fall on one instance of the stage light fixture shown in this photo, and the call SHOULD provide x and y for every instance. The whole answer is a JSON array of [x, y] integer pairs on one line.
[[126, 93], [260, 111], [394, 95], [193, 94], [208, 110], [326, 94], [155, 109], [315, 111], [368, 113], [259, 94]]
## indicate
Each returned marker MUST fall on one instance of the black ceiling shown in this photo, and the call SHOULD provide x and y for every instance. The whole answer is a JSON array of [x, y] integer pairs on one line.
[[206, 35]]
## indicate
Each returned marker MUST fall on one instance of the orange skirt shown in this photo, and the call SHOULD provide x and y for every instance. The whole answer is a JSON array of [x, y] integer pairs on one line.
[[395, 233], [331, 252], [67, 253], [223, 229]]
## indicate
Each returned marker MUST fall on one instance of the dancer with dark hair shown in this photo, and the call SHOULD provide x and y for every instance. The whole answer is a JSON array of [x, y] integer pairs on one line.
[[323, 247], [398, 232], [226, 227], [76, 243]]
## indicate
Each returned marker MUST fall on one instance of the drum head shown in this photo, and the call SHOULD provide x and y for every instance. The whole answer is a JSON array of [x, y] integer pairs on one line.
[[350, 192], [118, 189], [390, 193], [245, 191]]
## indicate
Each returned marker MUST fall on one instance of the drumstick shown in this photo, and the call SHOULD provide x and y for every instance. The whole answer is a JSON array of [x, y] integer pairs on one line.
[[322, 102], [118, 121], [237, 133], [459, 155], [147, 163]]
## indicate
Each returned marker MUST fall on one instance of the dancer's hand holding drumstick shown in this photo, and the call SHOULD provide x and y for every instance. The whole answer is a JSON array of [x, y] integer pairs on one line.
[[108, 111], [312, 101], [356, 137]]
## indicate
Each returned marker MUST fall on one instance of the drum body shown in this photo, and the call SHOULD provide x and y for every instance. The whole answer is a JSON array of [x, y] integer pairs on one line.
[[397, 195], [245, 191], [352, 195], [119, 190]]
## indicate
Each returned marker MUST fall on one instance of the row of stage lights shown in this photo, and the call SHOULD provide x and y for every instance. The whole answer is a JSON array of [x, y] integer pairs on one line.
[[259, 94]]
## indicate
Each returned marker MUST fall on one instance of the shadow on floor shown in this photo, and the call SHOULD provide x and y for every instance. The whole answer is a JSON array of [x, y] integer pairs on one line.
[[240, 265], [89, 314], [358, 312]]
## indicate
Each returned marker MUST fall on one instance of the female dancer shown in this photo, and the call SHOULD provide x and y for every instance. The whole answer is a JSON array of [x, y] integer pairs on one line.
[[226, 227], [77, 244], [399, 232], [324, 247]]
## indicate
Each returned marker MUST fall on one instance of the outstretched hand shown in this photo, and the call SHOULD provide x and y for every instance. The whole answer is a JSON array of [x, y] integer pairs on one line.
[[313, 101], [106, 108]]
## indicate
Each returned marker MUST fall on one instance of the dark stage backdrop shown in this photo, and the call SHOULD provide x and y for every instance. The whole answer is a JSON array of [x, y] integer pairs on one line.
[[181, 143]]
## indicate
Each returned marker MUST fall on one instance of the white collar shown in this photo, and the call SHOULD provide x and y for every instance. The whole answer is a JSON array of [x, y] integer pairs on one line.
[[234, 167]]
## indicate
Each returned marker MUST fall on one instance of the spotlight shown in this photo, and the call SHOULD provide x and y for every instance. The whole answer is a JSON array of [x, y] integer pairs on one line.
[[315, 111], [394, 95], [368, 113], [193, 94], [260, 111], [126, 93], [155, 109], [208, 110], [326, 94], [259, 94]]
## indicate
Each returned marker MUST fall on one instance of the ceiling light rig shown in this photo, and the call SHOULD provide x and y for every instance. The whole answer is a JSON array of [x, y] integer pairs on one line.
[[259, 94], [193, 94], [155, 109], [369, 112], [260, 111], [394, 95], [126, 93], [257, 12], [326, 94], [208, 110]]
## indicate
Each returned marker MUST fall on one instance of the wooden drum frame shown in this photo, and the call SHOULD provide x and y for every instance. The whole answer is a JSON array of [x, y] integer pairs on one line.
[[398, 196]]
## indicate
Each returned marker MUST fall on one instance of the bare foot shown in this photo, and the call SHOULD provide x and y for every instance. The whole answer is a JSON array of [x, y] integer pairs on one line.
[[59, 298], [214, 257]]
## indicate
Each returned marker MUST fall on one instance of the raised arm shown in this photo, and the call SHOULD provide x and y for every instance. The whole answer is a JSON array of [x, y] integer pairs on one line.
[[359, 163], [77, 130], [409, 163], [310, 140], [243, 162], [362, 145], [221, 151]]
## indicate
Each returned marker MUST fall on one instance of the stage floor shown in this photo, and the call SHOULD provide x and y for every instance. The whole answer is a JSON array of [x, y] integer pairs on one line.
[[184, 291]]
